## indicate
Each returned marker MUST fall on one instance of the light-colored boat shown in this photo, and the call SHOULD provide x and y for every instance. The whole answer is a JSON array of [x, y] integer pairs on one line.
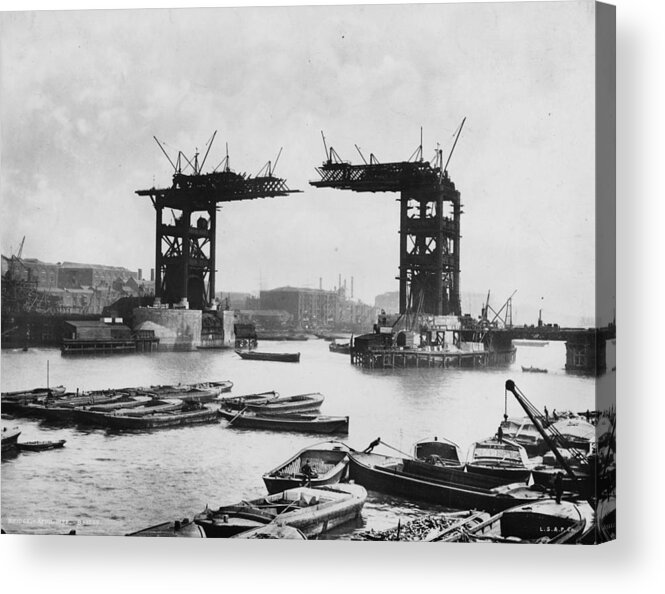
[[312, 511]]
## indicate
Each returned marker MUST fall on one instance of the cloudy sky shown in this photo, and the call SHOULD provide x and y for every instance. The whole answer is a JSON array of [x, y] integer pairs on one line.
[[83, 93]]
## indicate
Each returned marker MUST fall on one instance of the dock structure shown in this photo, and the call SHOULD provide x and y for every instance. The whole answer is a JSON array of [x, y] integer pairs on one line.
[[430, 209], [185, 250]]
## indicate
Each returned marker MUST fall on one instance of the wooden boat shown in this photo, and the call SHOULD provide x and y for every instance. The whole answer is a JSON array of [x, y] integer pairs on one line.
[[524, 432], [312, 511], [161, 420], [10, 438], [190, 392], [241, 402], [577, 433], [33, 394], [544, 522], [300, 403], [156, 406], [275, 531], [501, 458], [329, 462], [263, 356], [338, 347], [439, 452], [533, 369], [300, 422], [223, 386], [447, 487], [184, 528], [38, 446]]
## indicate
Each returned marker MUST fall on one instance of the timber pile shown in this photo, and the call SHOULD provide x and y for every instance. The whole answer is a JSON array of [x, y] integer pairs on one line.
[[427, 528]]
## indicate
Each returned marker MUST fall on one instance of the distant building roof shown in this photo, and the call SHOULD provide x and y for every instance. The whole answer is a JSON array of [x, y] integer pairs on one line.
[[90, 324], [289, 289]]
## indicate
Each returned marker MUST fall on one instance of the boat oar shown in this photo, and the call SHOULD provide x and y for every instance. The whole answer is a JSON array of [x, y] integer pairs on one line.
[[234, 418]]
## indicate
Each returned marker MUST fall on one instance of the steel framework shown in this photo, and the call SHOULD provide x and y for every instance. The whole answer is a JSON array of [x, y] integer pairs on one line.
[[185, 252], [430, 212]]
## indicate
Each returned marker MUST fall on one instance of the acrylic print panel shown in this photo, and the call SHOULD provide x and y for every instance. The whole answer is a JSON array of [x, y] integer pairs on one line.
[[309, 273]]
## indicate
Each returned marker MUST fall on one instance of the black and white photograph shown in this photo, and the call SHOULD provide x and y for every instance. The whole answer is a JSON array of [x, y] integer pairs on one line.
[[332, 273]]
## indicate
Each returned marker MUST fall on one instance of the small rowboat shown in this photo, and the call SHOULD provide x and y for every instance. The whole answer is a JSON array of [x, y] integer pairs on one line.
[[328, 460], [500, 458], [38, 446], [312, 511], [307, 423], [299, 403], [533, 369], [241, 402], [263, 356]]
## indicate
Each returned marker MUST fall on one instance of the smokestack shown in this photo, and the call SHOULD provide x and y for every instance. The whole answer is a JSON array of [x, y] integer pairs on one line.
[[152, 274], [320, 283], [140, 274], [339, 283], [351, 287]]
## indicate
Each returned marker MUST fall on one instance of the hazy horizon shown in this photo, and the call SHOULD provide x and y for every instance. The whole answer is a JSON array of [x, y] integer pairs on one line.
[[85, 91]]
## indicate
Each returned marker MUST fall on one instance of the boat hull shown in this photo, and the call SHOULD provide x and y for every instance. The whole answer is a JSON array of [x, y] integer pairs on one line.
[[299, 423], [391, 480], [39, 446], [280, 357]]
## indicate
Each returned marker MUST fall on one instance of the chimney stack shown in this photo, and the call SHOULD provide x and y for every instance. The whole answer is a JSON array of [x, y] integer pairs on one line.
[[320, 283], [351, 287], [152, 274], [140, 274]]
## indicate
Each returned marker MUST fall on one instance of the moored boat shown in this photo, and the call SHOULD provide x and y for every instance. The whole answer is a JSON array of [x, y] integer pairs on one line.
[[439, 452], [328, 462], [340, 347], [241, 402], [33, 394], [264, 356], [38, 446], [448, 487], [312, 511], [10, 438], [544, 522], [300, 422], [300, 403], [174, 418], [184, 528], [501, 458], [525, 433]]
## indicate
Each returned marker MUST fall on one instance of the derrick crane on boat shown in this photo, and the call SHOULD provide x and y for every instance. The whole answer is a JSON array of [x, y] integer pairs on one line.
[[185, 252], [430, 210], [551, 435]]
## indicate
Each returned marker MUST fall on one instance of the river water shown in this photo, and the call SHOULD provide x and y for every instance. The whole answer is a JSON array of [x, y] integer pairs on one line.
[[114, 483]]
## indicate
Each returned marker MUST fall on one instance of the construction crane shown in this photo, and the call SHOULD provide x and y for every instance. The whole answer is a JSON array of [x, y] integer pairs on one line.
[[552, 437]]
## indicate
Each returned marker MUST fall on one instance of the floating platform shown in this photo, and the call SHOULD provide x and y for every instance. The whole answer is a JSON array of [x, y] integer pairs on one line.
[[403, 358]]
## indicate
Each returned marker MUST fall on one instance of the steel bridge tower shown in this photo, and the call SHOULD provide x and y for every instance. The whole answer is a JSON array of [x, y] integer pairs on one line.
[[185, 249], [430, 210]]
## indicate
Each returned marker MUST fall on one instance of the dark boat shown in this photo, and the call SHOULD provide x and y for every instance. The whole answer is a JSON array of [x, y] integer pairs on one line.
[[438, 485], [501, 458], [533, 369], [10, 438], [439, 452], [184, 528], [263, 356], [543, 522], [312, 511], [328, 460], [300, 403], [337, 347], [300, 422], [38, 446], [241, 402]]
